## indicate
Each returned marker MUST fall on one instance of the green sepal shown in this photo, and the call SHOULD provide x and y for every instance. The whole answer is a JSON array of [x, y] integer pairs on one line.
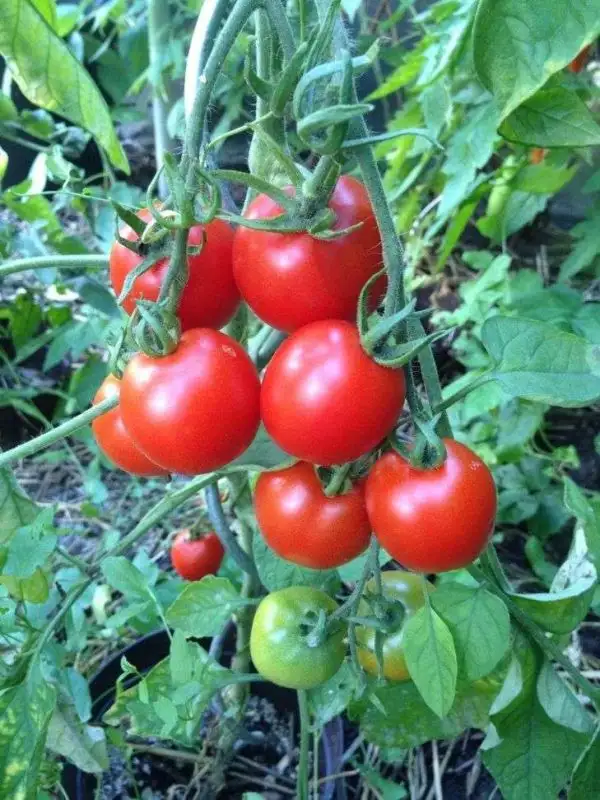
[[370, 339], [399, 355], [284, 89], [258, 86], [147, 263]]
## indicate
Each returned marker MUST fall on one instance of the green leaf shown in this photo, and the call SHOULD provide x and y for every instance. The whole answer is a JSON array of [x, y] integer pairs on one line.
[[52, 78], [537, 361], [517, 46], [159, 706], [16, 509], [121, 574], [586, 777], [560, 702], [31, 545], [331, 698], [479, 624], [204, 606], [400, 718], [263, 454], [533, 756], [567, 603], [431, 659], [554, 117], [276, 573], [586, 322], [543, 178], [585, 251], [588, 519], [25, 712], [83, 745]]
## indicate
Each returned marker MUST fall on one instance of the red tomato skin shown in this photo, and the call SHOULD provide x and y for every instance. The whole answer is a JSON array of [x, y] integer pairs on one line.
[[580, 60], [324, 400], [193, 559], [210, 297], [301, 524], [432, 520], [292, 279], [114, 439], [197, 408]]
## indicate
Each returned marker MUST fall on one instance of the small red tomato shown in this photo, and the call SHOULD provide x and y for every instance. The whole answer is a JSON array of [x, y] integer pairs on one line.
[[210, 297], [194, 558], [432, 520], [537, 155], [113, 438], [580, 60], [302, 524], [324, 400], [197, 408], [292, 279]]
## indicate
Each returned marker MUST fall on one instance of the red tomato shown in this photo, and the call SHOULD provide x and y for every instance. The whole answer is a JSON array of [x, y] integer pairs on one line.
[[432, 520], [197, 408], [580, 60], [324, 399], [291, 279], [113, 438], [301, 524], [537, 155], [195, 558], [210, 297]]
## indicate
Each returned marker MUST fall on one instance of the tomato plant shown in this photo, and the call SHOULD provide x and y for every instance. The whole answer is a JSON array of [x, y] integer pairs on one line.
[[292, 279], [432, 520], [303, 525], [196, 409], [113, 437], [210, 297], [402, 595], [325, 400], [280, 642], [193, 557]]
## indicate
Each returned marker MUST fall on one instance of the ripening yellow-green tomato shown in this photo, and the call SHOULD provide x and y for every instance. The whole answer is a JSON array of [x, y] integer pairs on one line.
[[405, 591]]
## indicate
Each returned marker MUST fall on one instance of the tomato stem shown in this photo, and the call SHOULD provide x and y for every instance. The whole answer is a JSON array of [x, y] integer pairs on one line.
[[462, 393], [302, 787], [60, 432], [225, 534], [338, 479], [59, 262]]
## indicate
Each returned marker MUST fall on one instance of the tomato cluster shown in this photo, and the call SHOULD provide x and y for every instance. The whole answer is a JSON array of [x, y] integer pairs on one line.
[[324, 400]]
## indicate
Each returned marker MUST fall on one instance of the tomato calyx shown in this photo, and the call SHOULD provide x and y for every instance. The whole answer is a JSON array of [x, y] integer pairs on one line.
[[314, 627]]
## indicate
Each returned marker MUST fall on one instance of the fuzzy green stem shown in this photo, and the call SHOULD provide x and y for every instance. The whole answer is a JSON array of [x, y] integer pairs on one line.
[[350, 604], [55, 261], [163, 97], [462, 393], [338, 480], [60, 432], [302, 788], [226, 535]]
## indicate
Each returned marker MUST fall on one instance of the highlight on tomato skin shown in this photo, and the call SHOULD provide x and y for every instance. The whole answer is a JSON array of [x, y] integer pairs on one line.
[[114, 439], [194, 557], [210, 297], [305, 526], [196, 409], [292, 279], [432, 520], [325, 400]]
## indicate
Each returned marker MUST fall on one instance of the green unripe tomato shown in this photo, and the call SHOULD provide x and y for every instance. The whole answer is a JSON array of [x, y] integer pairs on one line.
[[280, 641], [405, 590]]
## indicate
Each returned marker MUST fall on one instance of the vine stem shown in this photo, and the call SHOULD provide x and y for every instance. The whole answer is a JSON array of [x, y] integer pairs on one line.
[[349, 605], [225, 534], [550, 648], [159, 20], [52, 436], [58, 261], [302, 789]]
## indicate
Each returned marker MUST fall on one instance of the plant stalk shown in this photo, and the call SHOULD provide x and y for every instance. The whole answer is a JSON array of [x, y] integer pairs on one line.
[[55, 261], [302, 788]]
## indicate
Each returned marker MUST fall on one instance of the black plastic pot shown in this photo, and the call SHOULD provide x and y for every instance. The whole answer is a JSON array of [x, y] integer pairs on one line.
[[145, 654]]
